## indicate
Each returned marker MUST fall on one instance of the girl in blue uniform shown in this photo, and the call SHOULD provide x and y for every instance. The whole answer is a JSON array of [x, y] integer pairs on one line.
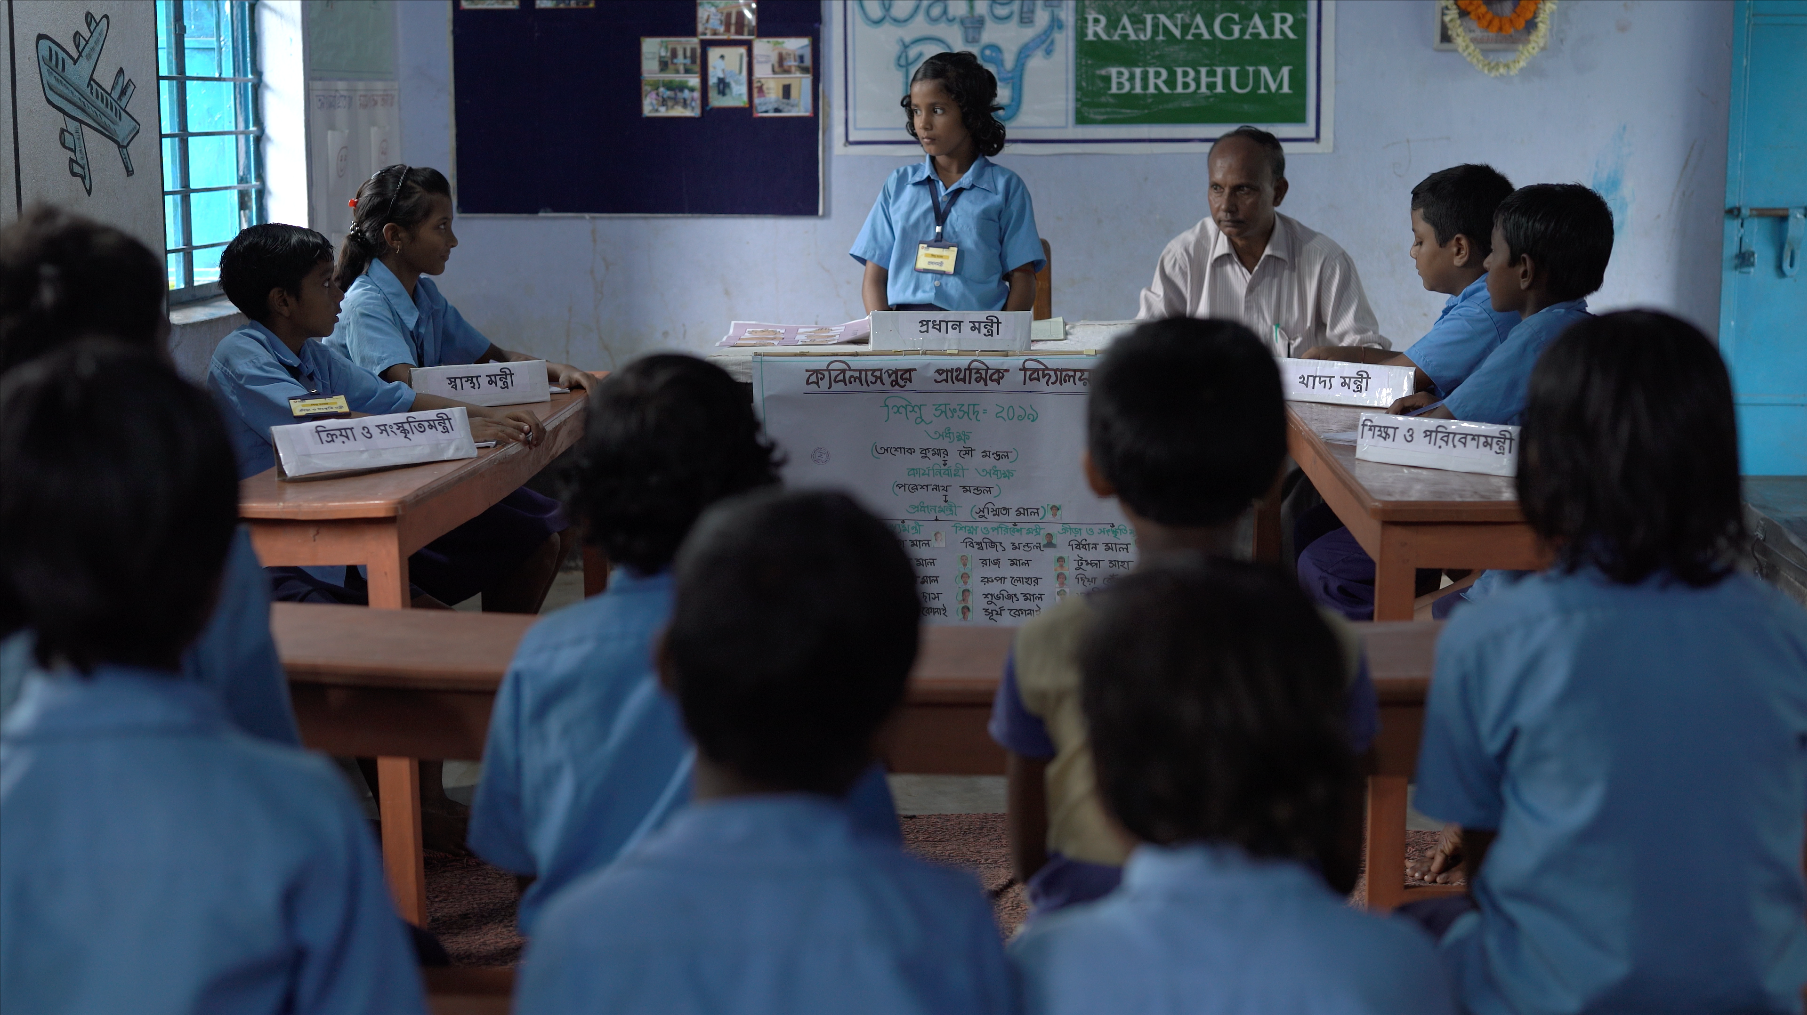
[[954, 231], [393, 320]]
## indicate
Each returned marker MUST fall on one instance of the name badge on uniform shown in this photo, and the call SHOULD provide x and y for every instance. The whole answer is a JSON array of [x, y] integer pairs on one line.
[[318, 406], [936, 257]]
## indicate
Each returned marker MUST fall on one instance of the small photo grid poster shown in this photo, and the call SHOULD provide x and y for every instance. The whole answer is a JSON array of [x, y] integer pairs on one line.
[[725, 76], [670, 82], [727, 19], [783, 76]]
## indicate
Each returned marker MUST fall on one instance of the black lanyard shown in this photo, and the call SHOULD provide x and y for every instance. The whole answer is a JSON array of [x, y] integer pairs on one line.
[[940, 214], [295, 372]]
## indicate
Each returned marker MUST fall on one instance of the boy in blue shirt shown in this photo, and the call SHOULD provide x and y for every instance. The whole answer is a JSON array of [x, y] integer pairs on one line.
[[394, 318], [63, 277], [1550, 247], [152, 857], [955, 231], [1452, 227], [1186, 427], [793, 631], [586, 754], [1213, 693], [280, 276], [1623, 737]]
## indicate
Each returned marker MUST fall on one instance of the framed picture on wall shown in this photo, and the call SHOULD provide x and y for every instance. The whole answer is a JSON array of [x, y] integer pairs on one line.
[[671, 97], [1481, 37], [784, 77], [726, 19], [669, 57], [726, 70]]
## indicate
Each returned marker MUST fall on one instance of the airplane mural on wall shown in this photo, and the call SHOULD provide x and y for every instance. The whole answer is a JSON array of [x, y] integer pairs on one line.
[[71, 90]]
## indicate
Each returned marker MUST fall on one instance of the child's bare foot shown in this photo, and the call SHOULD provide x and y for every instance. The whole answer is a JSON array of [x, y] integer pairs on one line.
[[1443, 865]]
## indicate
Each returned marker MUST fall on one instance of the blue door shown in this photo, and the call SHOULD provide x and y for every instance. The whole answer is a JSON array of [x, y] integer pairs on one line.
[[1763, 295]]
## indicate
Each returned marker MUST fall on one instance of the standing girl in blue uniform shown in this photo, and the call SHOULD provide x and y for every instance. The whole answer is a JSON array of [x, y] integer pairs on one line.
[[393, 320], [955, 231]]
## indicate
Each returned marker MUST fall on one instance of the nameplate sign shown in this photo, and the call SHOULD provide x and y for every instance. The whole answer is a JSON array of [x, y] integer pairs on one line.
[[1325, 380], [1452, 444], [952, 330], [373, 442], [486, 383]]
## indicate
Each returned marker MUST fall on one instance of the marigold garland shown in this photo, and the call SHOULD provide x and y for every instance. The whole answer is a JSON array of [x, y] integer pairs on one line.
[[1544, 10], [1499, 24]]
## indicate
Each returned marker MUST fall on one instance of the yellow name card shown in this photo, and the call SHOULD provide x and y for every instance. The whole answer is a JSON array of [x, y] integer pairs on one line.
[[318, 406]]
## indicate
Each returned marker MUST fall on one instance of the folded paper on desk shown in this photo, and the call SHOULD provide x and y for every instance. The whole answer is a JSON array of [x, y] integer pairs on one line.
[[373, 442], [952, 330], [486, 383], [1324, 380], [755, 333], [1453, 444]]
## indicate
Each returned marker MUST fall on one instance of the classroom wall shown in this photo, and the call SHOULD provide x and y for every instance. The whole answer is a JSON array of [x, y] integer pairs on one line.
[[1629, 98]]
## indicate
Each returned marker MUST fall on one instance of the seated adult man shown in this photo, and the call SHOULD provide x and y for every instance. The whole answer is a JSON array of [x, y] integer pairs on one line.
[[1249, 263]]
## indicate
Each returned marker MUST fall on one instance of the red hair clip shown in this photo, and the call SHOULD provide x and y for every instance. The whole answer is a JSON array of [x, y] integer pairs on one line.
[[353, 203]]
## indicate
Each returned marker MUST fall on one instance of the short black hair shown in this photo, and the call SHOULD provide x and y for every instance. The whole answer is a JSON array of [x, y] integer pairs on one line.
[[1186, 419], [973, 88], [118, 498], [1566, 228], [792, 635], [1213, 694], [64, 277], [266, 257], [666, 437], [1630, 454], [1276, 155], [1461, 200]]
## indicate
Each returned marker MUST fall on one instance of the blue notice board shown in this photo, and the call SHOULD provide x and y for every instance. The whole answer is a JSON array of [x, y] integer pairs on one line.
[[547, 108]]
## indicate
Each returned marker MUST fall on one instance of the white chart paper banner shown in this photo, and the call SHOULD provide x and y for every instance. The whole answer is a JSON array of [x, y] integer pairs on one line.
[[974, 462]]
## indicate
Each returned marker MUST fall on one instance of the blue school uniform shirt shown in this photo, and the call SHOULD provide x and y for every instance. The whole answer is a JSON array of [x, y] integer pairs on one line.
[[253, 375], [154, 859], [767, 904], [1466, 332], [1642, 753], [1495, 392], [587, 754], [1207, 928], [992, 222], [380, 325], [235, 656]]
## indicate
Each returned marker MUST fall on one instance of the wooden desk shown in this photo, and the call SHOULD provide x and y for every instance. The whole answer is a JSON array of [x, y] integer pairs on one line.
[[379, 518], [1406, 517], [420, 684]]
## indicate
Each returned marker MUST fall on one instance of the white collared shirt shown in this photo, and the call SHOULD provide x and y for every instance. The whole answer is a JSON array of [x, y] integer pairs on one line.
[[1304, 283]]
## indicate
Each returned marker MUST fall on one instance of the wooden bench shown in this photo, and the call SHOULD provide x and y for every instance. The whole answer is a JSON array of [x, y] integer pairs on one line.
[[469, 990], [417, 684]]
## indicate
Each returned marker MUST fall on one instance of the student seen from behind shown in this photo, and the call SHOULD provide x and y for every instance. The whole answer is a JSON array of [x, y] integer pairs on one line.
[[62, 278], [152, 857], [1185, 426], [793, 630], [586, 754], [955, 231], [1622, 738], [1551, 243], [1213, 698], [1452, 233]]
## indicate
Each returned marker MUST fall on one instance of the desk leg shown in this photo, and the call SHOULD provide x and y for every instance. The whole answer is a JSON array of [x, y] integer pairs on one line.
[[1267, 526], [1384, 874], [1395, 579], [596, 570], [398, 785], [388, 583]]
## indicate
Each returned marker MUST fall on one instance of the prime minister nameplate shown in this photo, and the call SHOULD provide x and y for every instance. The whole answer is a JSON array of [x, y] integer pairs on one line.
[[1327, 380], [322, 447], [1453, 444], [952, 330], [514, 383]]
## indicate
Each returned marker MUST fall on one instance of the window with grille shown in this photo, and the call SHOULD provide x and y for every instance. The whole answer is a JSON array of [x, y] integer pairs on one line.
[[212, 172]]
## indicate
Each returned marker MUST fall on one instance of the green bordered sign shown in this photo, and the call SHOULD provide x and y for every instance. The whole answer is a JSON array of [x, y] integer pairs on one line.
[[1191, 62], [1125, 76]]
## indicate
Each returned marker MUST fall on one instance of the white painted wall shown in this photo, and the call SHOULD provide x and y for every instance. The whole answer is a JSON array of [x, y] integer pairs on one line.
[[1630, 98]]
